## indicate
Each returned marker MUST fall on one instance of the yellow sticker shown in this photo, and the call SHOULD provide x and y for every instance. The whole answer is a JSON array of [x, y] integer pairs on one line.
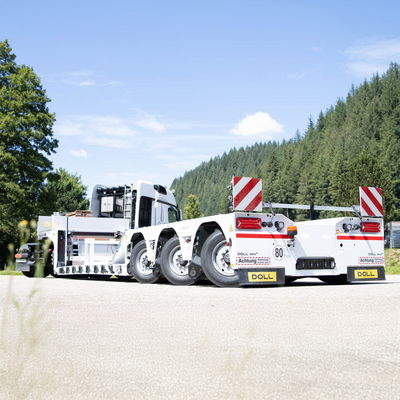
[[365, 273], [261, 276]]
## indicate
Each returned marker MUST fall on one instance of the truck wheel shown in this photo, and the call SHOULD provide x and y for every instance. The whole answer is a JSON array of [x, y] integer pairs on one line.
[[334, 280], [139, 265], [215, 261], [32, 271], [172, 265]]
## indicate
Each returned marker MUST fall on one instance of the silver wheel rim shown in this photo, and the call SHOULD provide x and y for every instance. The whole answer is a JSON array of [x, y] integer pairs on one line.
[[141, 262], [220, 259], [174, 262]]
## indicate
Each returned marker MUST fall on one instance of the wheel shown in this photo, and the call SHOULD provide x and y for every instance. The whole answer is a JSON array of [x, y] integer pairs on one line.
[[172, 265], [30, 273], [215, 261], [334, 280], [289, 279], [139, 265], [33, 271]]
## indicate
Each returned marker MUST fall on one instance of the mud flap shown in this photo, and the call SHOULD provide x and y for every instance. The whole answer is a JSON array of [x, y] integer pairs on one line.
[[261, 276], [362, 274]]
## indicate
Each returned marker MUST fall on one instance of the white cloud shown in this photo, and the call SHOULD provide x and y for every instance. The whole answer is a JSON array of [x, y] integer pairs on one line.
[[373, 56], [99, 130], [107, 142], [149, 122], [79, 153], [259, 124], [95, 125], [84, 78]]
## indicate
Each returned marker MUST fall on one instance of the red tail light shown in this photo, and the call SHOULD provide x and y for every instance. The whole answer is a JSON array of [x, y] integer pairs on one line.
[[18, 255], [370, 227], [248, 223]]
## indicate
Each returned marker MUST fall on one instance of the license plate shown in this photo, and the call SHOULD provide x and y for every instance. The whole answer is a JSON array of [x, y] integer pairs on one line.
[[21, 260], [255, 276], [261, 276], [366, 273]]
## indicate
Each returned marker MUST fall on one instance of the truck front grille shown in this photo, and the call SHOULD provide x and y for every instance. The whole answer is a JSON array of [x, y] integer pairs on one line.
[[315, 263]]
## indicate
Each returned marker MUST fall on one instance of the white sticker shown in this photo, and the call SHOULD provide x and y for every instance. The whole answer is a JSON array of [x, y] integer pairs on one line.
[[278, 252]]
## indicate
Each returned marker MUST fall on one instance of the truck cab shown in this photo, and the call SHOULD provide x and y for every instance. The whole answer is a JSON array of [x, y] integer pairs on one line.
[[84, 238]]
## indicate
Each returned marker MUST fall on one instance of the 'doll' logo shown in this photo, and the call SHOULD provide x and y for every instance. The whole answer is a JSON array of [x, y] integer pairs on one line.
[[269, 276], [366, 273]]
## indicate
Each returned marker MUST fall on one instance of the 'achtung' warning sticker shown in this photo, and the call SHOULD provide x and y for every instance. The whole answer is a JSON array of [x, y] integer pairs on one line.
[[253, 261], [371, 260]]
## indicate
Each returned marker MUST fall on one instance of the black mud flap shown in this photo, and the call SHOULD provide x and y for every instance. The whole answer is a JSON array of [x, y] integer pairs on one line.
[[362, 274], [261, 276]]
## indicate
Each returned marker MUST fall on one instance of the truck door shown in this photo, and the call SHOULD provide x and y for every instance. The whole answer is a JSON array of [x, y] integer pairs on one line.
[[145, 213]]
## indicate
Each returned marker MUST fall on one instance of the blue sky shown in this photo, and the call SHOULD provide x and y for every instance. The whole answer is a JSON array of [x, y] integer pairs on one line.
[[149, 89]]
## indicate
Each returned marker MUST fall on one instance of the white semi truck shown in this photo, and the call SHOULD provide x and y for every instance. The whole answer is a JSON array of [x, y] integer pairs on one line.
[[137, 231]]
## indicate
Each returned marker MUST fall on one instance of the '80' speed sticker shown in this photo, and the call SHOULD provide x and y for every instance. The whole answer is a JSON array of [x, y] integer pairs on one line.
[[278, 252]]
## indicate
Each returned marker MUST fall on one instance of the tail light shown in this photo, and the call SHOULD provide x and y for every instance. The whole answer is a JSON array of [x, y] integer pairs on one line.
[[292, 231], [248, 223], [18, 255], [370, 227]]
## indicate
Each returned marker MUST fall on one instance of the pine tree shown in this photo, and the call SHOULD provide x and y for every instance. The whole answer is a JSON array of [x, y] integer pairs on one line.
[[192, 207]]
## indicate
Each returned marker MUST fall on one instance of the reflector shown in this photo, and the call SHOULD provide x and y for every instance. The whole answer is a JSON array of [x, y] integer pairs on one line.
[[370, 227], [248, 223]]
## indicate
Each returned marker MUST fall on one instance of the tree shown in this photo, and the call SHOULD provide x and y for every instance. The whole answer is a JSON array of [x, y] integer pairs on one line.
[[63, 192], [192, 207], [26, 142]]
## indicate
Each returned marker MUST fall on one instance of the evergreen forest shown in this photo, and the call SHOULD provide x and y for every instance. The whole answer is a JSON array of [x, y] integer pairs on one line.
[[356, 142]]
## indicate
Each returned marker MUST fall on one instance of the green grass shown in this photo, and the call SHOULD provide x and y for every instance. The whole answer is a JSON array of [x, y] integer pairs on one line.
[[392, 261], [10, 272]]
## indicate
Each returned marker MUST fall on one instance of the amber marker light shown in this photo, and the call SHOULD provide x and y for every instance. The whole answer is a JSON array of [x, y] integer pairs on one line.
[[292, 231]]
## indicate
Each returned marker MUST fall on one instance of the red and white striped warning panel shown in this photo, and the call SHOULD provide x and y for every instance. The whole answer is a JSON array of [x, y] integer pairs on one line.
[[371, 204], [247, 193]]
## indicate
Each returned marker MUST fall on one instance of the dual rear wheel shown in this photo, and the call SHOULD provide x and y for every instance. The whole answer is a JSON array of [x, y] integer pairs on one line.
[[214, 256]]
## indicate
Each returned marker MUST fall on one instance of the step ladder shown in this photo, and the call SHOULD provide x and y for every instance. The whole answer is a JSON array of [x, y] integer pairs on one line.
[[128, 202]]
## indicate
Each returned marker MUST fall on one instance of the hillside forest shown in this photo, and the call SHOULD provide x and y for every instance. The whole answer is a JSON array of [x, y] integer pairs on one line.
[[355, 142]]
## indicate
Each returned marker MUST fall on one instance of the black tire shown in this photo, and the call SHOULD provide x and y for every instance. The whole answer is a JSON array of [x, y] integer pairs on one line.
[[215, 266], [289, 280], [172, 269], [334, 280], [30, 273], [137, 267]]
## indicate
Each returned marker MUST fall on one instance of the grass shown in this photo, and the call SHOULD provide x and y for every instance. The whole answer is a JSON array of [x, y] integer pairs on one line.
[[9, 271], [392, 261]]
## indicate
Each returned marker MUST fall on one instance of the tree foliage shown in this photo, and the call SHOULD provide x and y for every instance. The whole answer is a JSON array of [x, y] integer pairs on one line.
[[192, 207], [355, 142], [26, 141], [63, 192]]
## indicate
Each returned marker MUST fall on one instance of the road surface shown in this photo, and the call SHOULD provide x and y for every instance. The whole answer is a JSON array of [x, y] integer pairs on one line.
[[77, 339]]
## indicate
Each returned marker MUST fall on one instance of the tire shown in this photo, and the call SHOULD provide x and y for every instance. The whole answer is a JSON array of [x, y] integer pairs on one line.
[[30, 273], [215, 261], [289, 279], [172, 269], [137, 265], [334, 280]]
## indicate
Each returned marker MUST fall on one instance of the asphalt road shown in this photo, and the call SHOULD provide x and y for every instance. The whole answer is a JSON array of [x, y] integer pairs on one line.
[[77, 339]]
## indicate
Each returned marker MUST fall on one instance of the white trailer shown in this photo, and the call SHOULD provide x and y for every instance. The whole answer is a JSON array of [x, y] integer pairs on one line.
[[137, 231]]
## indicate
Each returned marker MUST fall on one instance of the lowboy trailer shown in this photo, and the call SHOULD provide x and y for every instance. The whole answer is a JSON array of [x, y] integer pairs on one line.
[[137, 231]]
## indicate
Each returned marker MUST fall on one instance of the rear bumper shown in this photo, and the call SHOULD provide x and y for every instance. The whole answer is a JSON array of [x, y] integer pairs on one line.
[[363, 274], [23, 265], [261, 276]]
